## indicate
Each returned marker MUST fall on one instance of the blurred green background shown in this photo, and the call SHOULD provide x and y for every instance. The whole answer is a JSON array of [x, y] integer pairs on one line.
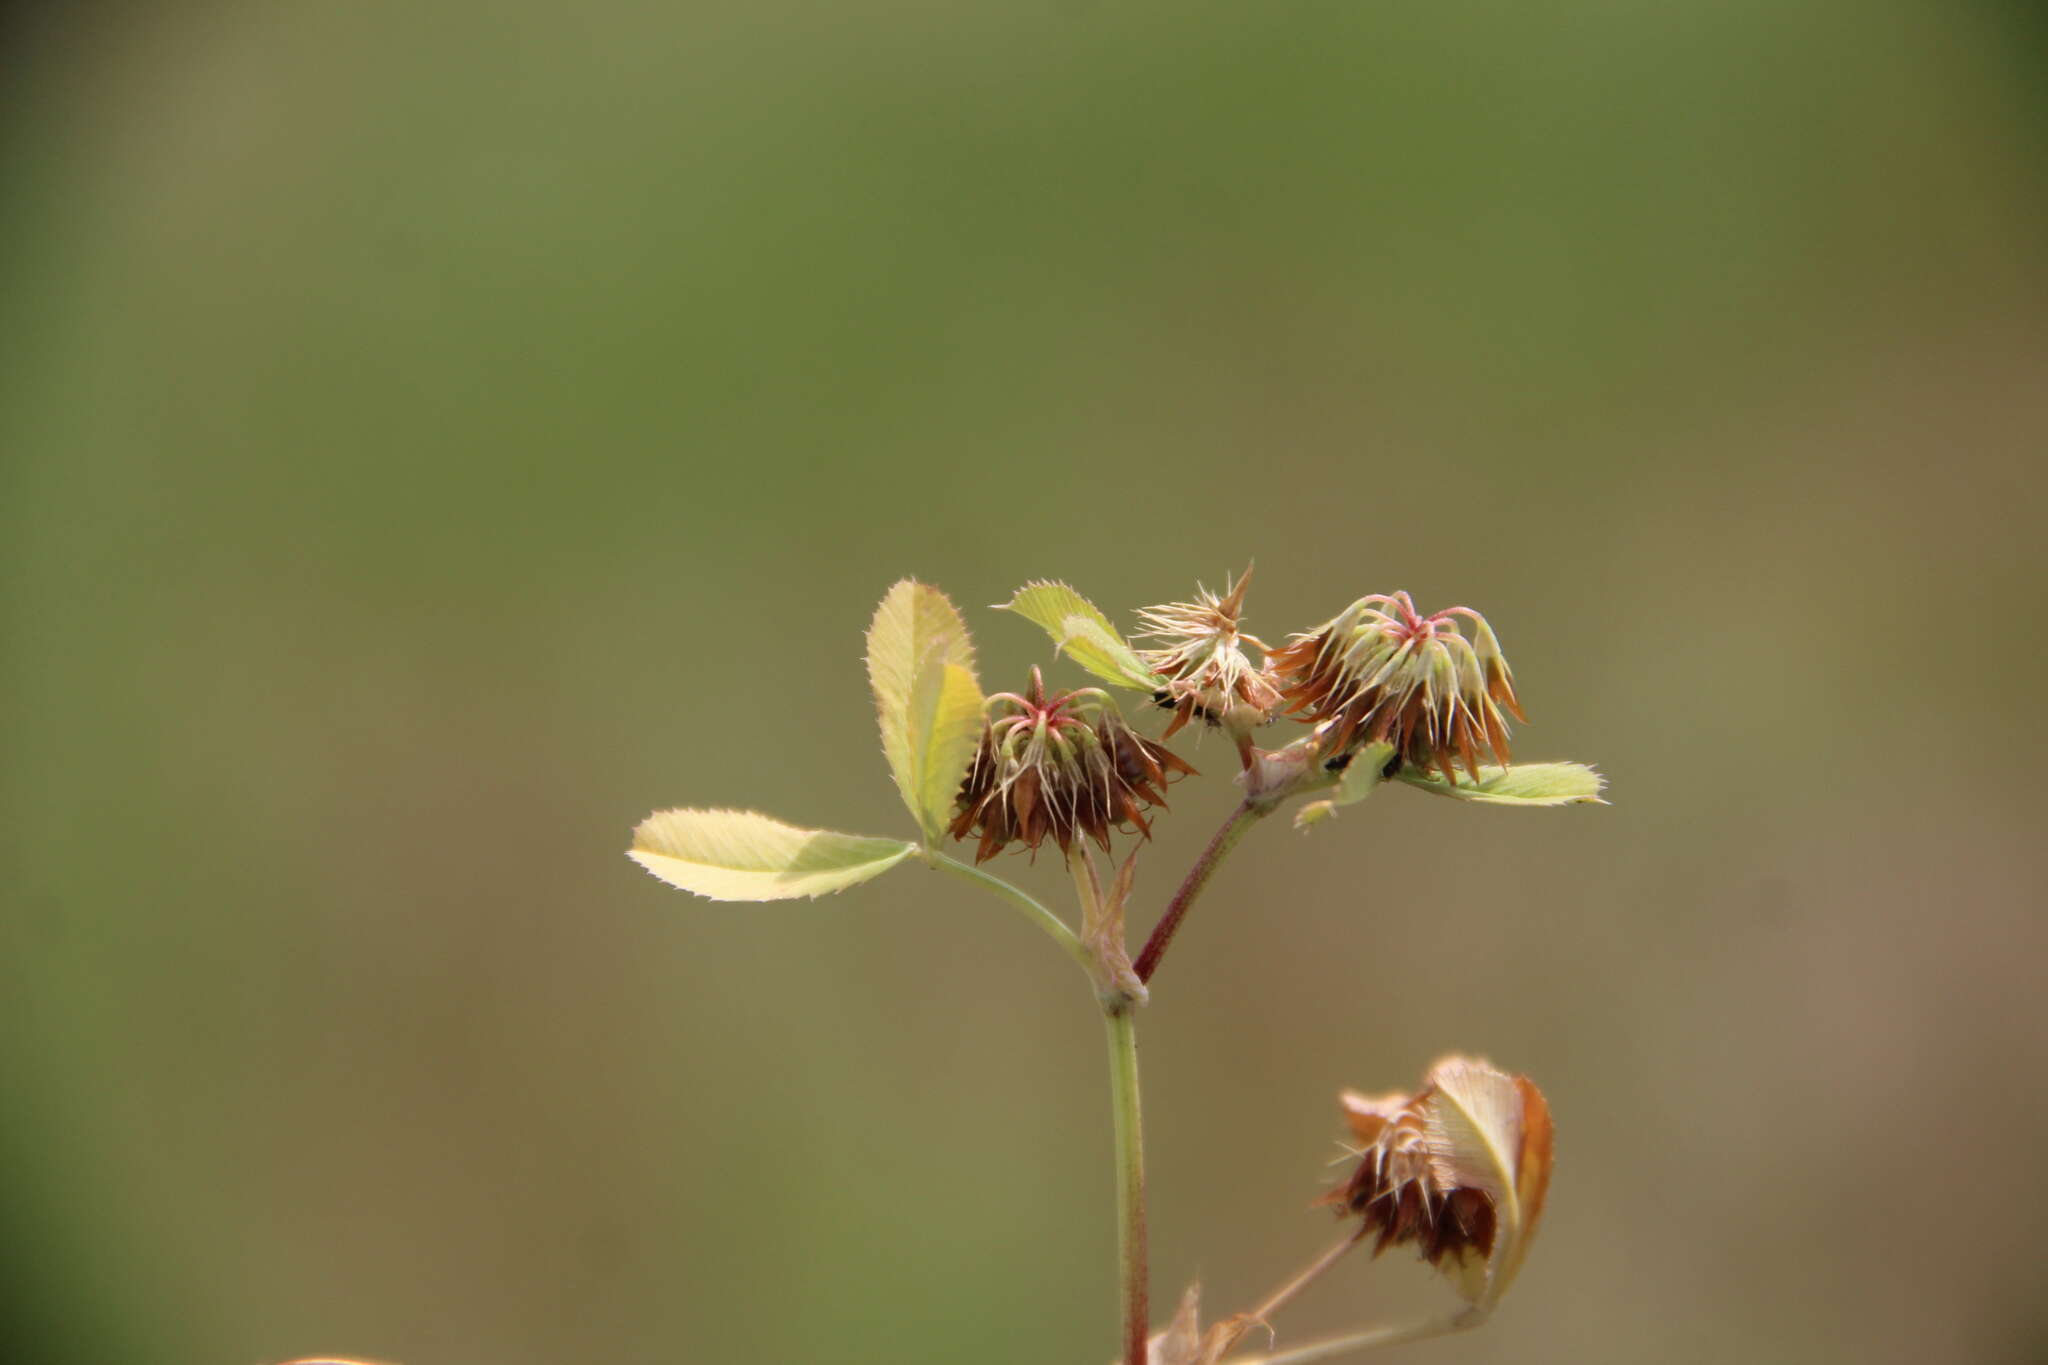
[[437, 434]]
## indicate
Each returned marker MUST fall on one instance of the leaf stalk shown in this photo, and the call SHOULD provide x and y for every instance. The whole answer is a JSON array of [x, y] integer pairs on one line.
[[1034, 910]]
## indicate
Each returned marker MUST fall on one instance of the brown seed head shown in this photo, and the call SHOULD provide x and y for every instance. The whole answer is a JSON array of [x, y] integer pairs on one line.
[[1056, 767], [1201, 656], [1382, 671], [1459, 1169], [1395, 1192]]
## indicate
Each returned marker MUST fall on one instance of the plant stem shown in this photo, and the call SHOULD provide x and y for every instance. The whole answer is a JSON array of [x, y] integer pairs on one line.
[[1130, 1178], [1033, 910], [1284, 1295], [1262, 1316], [1220, 844], [1124, 1099], [1331, 1347]]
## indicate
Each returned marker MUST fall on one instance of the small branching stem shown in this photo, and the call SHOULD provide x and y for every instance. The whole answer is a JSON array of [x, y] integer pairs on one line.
[[1314, 1271], [1243, 818], [1329, 1348], [1130, 1178]]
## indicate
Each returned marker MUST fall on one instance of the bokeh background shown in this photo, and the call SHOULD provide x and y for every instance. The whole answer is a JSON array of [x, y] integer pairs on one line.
[[437, 434]]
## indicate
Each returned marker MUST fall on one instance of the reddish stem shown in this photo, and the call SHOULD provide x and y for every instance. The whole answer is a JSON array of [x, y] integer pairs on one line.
[[1220, 844]]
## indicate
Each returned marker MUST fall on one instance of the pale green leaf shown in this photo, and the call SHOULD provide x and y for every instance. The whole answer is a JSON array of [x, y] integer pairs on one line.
[[741, 855], [927, 701], [1361, 777], [1524, 784], [1080, 631]]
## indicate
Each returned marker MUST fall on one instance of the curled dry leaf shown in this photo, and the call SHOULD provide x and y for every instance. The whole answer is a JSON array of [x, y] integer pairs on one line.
[[1460, 1169]]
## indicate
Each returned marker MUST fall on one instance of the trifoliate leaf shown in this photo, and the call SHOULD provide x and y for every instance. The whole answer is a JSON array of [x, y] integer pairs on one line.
[[741, 855], [1360, 778], [921, 666], [1081, 632], [1525, 784]]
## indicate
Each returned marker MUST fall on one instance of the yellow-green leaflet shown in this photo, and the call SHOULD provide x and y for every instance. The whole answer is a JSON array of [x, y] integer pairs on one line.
[[927, 700], [1080, 631], [943, 725], [1524, 784], [742, 855]]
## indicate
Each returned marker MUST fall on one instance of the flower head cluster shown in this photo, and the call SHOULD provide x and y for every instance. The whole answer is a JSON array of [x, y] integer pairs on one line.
[[1059, 767], [1202, 658], [1381, 671], [1460, 1169]]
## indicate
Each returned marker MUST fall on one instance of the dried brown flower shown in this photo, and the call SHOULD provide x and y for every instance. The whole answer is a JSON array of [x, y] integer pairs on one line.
[[1459, 1169], [1202, 658], [1056, 767], [1382, 671]]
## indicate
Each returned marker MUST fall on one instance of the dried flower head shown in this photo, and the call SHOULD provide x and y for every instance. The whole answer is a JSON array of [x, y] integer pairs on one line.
[[1459, 1168], [1059, 766], [1382, 671], [1202, 658]]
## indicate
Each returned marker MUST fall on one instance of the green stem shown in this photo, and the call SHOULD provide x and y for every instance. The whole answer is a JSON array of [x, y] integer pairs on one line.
[[1130, 1178], [1033, 910], [1123, 1088], [1220, 844]]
